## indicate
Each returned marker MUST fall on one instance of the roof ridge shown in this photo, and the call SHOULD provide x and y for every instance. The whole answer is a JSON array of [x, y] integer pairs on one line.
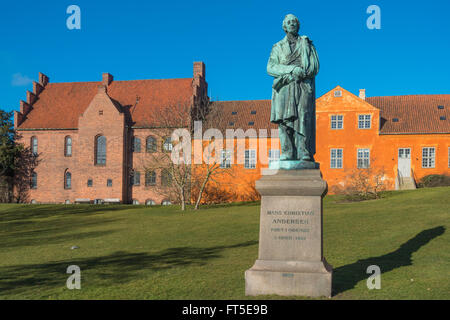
[[411, 95], [78, 82]]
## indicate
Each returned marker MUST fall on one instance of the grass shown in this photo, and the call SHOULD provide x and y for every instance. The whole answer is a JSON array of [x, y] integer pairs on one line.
[[137, 252]]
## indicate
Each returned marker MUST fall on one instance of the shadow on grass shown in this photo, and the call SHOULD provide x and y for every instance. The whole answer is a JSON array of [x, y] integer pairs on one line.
[[119, 267], [346, 277], [37, 225], [20, 212]]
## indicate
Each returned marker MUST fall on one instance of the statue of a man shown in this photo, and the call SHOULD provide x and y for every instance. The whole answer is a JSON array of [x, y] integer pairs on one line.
[[294, 64]]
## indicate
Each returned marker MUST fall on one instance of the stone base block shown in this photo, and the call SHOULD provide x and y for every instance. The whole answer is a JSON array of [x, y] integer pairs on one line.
[[289, 278]]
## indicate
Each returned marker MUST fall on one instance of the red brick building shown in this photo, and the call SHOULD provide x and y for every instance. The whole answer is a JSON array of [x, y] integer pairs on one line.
[[84, 134]]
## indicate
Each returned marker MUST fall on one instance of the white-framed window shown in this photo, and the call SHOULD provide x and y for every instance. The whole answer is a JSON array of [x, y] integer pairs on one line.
[[364, 121], [363, 156], [225, 161], [336, 158], [274, 155], [167, 145], [337, 121], [428, 157], [166, 202], [250, 159]]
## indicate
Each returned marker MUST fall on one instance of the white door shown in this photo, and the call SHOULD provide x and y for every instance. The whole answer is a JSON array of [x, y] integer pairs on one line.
[[404, 162]]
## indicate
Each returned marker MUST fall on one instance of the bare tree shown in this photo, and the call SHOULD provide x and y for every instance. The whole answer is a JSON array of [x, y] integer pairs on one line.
[[175, 175], [364, 183], [189, 178], [216, 166]]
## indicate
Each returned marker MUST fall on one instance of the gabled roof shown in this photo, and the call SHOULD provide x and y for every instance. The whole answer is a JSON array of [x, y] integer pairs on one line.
[[347, 102], [415, 113], [60, 104]]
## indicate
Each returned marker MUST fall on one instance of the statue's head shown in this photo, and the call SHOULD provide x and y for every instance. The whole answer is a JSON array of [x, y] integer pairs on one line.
[[291, 24]]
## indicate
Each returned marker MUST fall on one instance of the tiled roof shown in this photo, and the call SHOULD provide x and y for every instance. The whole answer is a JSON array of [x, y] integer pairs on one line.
[[244, 115], [415, 113], [60, 104]]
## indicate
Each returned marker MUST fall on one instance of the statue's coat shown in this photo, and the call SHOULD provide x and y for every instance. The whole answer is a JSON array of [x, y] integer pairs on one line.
[[294, 104]]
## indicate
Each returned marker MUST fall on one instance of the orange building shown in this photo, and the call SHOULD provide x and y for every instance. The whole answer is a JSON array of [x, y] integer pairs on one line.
[[400, 139]]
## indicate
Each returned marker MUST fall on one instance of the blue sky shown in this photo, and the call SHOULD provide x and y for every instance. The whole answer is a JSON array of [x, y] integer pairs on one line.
[[160, 39]]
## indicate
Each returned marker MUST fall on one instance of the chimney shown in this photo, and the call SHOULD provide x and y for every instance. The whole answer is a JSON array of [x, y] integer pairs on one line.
[[199, 70], [43, 79], [362, 94], [107, 79], [101, 88]]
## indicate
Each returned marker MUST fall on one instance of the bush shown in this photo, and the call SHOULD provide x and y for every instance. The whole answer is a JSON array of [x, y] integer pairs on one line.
[[434, 180]]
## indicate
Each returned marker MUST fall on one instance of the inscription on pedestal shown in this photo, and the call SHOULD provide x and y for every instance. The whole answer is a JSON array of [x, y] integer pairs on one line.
[[289, 225]]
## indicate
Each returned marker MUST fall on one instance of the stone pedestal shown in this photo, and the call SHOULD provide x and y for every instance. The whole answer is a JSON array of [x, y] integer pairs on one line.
[[290, 260]]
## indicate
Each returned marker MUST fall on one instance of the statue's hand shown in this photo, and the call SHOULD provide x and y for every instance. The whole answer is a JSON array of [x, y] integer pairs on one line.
[[298, 73], [290, 78]]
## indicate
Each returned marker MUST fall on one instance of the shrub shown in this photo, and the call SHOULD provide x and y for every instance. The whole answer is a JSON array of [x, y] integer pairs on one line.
[[435, 180]]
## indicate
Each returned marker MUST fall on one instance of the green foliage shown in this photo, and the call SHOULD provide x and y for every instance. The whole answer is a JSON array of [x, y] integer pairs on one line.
[[434, 180], [139, 252], [9, 150]]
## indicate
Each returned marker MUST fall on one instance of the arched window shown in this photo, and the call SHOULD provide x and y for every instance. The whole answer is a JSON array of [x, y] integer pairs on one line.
[[67, 180], [68, 146], [150, 144], [34, 145], [167, 144], [150, 202], [136, 144], [135, 201], [33, 184], [166, 202], [166, 178], [100, 150], [150, 178]]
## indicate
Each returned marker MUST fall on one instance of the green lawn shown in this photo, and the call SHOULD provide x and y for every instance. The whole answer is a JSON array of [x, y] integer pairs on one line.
[[137, 252]]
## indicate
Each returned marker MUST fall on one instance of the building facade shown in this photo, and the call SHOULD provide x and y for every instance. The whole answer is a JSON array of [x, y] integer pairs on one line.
[[94, 138], [85, 134]]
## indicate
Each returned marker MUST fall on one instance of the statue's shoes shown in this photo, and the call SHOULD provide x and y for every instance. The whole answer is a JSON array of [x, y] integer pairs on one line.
[[286, 157]]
